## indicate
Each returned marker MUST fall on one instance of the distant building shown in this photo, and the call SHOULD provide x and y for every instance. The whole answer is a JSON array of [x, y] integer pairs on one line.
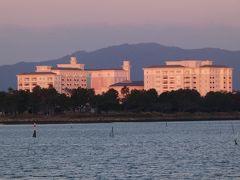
[[131, 85], [28, 81], [102, 79], [62, 77], [200, 75], [65, 77]]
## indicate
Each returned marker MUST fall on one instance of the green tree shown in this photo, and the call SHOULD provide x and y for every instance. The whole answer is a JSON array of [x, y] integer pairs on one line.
[[44, 100], [3, 96], [108, 101], [36, 100], [49, 100], [141, 100], [22, 100], [182, 100], [82, 99], [219, 102]]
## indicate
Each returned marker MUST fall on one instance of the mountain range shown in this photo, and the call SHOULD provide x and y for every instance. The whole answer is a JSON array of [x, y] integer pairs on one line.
[[140, 55]]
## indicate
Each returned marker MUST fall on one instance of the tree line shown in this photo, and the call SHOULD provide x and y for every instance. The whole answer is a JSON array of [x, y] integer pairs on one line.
[[49, 101]]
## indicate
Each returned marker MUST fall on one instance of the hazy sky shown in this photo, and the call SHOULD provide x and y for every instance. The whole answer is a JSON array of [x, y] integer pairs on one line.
[[33, 30]]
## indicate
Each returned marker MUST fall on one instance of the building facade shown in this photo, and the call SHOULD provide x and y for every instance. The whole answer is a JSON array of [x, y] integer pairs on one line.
[[102, 79], [65, 77], [28, 81], [200, 75]]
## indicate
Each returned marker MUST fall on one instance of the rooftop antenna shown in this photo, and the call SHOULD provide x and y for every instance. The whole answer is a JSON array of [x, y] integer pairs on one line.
[[34, 131]]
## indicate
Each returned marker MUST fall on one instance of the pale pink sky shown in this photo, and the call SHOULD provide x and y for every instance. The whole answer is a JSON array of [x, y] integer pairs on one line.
[[49, 13], [42, 29]]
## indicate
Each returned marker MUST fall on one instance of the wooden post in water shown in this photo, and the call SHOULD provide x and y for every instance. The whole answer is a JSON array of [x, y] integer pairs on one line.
[[34, 131], [112, 133], [235, 138]]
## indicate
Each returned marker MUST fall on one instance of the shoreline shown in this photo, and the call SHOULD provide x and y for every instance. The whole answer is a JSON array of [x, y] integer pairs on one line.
[[119, 117]]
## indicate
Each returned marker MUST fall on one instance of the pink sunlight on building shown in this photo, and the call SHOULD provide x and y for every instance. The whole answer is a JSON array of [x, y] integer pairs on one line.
[[200, 75], [62, 77], [65, 77], [102, 79]]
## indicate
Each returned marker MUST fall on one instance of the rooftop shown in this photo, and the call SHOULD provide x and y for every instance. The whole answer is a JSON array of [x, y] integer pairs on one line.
[[179, 66], [38, 73], [165, 66], [189, 60], [67, 68], [108, 69], [129, 83], [215, 66]]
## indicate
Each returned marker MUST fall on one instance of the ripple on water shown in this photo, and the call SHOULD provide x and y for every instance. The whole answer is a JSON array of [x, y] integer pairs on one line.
[[187, 150]]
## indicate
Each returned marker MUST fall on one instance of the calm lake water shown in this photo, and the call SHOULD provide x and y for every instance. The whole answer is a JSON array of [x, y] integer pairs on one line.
[[180, 150]]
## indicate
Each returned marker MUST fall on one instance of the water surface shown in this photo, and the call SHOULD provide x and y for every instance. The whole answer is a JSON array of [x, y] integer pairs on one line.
[[176, 150]]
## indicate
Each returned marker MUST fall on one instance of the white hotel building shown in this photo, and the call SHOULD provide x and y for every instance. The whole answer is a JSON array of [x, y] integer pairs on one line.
[[200, 75]]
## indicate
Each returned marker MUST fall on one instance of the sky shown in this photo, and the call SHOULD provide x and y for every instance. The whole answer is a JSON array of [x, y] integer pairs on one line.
[[36, 30]]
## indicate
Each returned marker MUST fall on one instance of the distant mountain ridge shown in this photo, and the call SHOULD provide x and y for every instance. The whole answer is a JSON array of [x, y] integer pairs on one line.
[[140, 55]]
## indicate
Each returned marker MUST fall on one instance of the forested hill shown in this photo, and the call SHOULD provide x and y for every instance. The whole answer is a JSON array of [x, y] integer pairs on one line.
[[140, 55]]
